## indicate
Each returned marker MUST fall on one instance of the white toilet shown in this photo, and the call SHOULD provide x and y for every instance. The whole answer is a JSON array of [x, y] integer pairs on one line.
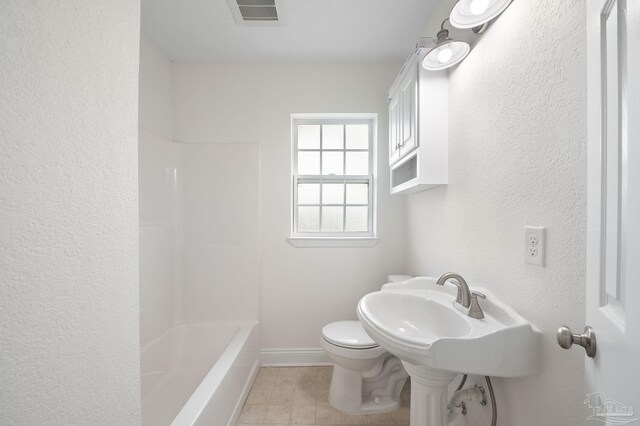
[[366, 378]]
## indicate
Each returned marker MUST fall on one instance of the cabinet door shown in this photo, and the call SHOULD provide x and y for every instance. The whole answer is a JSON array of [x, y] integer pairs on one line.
[[394, 129], [409, 112]]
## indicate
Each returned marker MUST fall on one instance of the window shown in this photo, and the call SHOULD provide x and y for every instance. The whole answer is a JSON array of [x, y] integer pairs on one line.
[[333, 177]]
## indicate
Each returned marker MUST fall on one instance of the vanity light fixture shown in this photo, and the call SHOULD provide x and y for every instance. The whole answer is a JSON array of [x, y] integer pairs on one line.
[[446, 53], [476, 14]]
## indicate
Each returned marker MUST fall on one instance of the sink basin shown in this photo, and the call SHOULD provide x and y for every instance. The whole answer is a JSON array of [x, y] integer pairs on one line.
[[417, 321], [422, 319]]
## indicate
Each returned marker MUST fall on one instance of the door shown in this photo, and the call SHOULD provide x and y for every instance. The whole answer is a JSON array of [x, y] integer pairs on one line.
[[612, 377]]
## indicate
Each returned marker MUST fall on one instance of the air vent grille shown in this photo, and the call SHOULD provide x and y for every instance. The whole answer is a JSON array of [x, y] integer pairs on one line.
[[256, 12], [259, 13]]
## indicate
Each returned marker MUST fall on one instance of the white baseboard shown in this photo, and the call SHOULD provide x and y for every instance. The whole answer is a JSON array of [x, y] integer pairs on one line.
[[294, 357]]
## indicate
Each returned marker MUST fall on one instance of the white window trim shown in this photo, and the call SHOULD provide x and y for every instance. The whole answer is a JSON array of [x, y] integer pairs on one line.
[[325, 239]]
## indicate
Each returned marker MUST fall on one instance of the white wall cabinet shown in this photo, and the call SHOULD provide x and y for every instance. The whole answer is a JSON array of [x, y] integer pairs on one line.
[[394, 130], [418, 129]]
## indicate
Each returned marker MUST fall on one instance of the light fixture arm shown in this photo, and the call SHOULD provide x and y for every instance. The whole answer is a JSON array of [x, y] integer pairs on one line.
[[443, 34], [446, 52]]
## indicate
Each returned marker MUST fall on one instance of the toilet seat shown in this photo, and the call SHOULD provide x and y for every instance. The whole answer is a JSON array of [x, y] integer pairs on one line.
[[348, 334], [348, 340]]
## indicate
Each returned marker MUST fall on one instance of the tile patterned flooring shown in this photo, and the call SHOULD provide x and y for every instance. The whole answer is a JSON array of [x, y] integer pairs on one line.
[[299, 396]]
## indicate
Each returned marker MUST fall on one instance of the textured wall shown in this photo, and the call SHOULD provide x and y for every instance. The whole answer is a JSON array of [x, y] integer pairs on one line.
[[69, 212], [518, 157], [301, 289]]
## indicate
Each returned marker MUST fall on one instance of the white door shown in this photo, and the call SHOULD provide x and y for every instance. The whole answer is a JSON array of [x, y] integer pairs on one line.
[[612, 377]]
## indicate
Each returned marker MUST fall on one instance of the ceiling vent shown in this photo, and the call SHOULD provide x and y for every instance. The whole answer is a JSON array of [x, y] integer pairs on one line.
[[257, 12]]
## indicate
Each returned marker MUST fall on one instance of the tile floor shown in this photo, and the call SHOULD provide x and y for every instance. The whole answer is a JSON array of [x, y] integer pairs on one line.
[[299, 396]]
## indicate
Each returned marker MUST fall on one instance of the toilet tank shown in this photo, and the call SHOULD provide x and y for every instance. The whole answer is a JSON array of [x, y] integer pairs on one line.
[[398, 278]]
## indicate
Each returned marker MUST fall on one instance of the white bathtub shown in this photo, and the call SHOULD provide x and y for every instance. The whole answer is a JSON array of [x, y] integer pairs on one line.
[[198, 373]]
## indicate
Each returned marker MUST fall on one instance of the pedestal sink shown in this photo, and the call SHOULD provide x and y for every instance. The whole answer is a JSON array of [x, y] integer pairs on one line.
[[416, 321]]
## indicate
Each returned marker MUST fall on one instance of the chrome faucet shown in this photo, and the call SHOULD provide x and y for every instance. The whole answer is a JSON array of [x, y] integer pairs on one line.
[[465, 297]]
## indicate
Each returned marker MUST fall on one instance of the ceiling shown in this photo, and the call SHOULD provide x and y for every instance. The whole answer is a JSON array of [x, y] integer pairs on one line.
[[313, 31]]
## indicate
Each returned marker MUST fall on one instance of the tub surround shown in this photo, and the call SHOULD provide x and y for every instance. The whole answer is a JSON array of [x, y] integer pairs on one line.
[[199, 263], [198, 373]]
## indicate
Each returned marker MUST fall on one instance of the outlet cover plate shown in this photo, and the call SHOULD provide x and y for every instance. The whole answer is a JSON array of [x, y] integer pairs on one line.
[[534, 245]]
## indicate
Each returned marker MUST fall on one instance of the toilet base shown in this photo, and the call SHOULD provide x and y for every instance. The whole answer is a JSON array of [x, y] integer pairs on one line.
[[355, 393]]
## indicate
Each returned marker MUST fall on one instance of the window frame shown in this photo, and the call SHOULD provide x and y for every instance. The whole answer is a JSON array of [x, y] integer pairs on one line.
[[343, 238]]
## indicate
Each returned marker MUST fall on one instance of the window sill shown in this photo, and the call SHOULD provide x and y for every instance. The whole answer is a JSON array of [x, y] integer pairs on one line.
[[333, 241]]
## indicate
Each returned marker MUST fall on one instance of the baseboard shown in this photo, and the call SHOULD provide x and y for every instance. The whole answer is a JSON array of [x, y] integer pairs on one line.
[[245, 393], [294, 357]]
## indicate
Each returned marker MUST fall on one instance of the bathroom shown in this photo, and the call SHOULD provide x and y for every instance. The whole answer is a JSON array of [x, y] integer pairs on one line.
[[161, 262]]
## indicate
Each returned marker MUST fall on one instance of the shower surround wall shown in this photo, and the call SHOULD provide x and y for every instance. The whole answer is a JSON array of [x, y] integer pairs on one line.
[[159, 160], [220, 248], [517, 120], [199, 235]]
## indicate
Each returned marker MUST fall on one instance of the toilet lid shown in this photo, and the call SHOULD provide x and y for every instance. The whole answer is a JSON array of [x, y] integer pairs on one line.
[[348, 334]]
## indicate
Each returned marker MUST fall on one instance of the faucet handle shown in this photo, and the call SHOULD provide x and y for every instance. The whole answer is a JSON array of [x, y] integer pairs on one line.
[[475, 311], [476, 294]]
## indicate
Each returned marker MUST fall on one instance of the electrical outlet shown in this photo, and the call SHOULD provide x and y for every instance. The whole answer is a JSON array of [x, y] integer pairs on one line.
[[534, 245]]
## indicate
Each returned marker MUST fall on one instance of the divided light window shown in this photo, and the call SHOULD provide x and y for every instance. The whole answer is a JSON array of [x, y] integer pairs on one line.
[[333, 177]]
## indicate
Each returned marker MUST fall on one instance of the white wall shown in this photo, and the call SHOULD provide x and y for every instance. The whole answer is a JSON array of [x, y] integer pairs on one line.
[[69, 350], [300, 289], [517, 157]]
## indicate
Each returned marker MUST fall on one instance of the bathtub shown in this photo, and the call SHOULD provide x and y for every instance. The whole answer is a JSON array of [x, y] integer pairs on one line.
[[198, 373]]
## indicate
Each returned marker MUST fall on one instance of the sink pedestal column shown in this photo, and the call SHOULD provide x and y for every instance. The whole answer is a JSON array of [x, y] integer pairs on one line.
[[429, 395]]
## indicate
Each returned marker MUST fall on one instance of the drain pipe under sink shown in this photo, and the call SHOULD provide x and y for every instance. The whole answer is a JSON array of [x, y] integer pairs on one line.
[[475, 394]]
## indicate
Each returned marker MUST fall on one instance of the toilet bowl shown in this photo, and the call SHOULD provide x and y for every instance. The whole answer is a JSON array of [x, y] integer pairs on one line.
[[366, 378]]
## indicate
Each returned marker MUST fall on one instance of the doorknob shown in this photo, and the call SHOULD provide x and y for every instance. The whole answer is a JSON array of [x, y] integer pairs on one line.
[[587, 340]]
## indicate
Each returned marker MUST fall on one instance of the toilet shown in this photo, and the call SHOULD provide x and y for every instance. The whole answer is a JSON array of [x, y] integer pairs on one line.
[[366, 378]]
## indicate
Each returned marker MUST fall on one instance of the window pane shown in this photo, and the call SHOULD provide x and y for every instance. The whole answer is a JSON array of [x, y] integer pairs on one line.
[[309, 163], [308, 219], [332, 193], [332, 163], [333, 136], [357, 136], [357, 163], [309, 193], [332, 219], [357, 193], [308, 136], [356, 219]]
